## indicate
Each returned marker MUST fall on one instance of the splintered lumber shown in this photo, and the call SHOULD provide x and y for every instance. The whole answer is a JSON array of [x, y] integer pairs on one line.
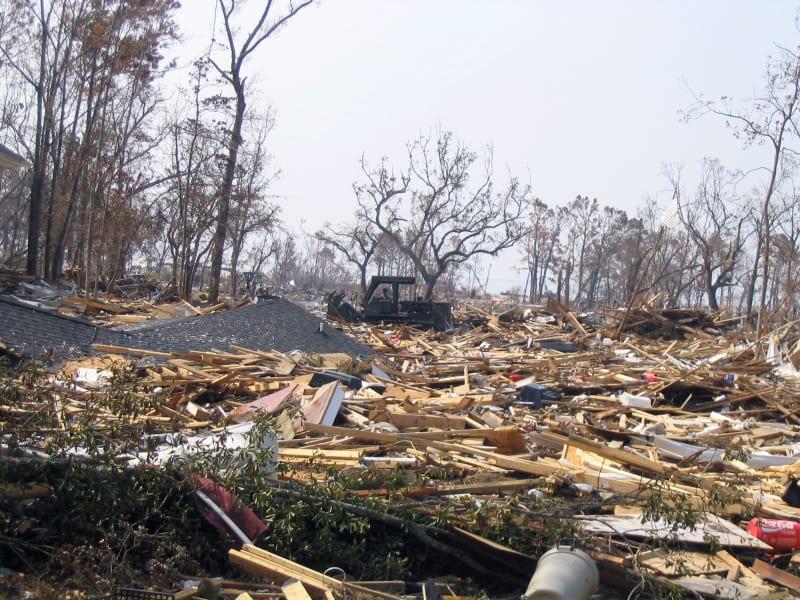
[[615, 454], [211, 309], [443, 411], [325, 405], [575, 323], [680, 563], [489, 487], [127, 319], [321, 456], [261, 562], [191, 308], [279, 571], [711, 588], [294, 590], [95, 305], [123, 350], [403, 420], [383, 436], [511, 463], [776, 575]]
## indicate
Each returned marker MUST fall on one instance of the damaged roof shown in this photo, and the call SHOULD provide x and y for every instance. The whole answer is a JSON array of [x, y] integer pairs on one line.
[[270, 324], [10, 159], [28, 330]]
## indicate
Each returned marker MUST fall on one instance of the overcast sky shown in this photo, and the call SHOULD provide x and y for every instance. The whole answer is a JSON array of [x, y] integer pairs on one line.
[[582, 97]]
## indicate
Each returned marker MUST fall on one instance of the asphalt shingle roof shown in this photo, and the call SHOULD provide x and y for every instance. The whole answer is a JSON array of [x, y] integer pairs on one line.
[[10, 159], [28, 330], [272, 323]]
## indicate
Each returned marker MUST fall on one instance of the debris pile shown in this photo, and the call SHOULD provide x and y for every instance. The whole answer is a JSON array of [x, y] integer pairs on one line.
[[131, 301], [663, 443]]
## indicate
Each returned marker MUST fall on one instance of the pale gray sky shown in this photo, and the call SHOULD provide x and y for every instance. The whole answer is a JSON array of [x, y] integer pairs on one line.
[[583, 95]]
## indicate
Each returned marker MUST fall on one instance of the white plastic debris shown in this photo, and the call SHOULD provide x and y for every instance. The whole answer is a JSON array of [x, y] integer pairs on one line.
[[235, 440], [635, 401]]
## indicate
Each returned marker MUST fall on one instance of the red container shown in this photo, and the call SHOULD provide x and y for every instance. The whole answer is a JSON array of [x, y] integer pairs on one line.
[[783, 536]]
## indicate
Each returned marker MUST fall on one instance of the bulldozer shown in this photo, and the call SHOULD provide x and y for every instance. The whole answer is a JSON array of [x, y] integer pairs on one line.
[[389, 299]]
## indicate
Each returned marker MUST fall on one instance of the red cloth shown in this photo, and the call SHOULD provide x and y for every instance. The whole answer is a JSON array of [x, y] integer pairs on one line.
[[239, 513]]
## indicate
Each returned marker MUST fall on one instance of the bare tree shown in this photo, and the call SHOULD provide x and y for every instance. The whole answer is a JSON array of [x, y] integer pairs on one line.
[[769, 118], [286, 258], [356, 242], [582, 219], [252, 212], [541, 245], [663, 259], [716, 225], [187, 210], [430, 213], [266, 25]]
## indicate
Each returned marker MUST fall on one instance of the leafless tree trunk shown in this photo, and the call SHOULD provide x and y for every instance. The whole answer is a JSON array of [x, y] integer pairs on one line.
[[232, 74]]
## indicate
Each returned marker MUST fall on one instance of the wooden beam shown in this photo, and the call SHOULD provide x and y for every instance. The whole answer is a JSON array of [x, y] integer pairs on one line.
[[615, 454], [123, 350], [294, 590], [776, 575]]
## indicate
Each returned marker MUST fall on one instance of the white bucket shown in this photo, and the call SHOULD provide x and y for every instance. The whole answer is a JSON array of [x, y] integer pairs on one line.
[[563, 573]]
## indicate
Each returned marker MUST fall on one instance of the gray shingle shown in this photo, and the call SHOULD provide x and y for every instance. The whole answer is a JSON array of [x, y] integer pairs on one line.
[[30, 331], [270, 324]]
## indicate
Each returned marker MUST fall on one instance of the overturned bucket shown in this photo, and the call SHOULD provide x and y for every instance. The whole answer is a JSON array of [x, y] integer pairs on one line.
[[563, 573]]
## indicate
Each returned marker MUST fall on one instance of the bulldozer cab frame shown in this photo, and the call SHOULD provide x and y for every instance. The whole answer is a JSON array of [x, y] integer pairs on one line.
[[391, 306]]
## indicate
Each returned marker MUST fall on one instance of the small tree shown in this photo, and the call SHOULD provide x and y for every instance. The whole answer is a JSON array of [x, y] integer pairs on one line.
[[430, 213]]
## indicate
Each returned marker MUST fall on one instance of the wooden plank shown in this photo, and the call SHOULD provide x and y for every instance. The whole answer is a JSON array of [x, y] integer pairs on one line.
[[615, 454], [256, 565], [423, 420], [191, 308], [123, 350], [776, 575], [294, 590], [575, 323], [95, 305], [126, 319], [482, 488], [320, 453], [382, 436], [266, 563], [210, 309], [712, 588], [505, 462]]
